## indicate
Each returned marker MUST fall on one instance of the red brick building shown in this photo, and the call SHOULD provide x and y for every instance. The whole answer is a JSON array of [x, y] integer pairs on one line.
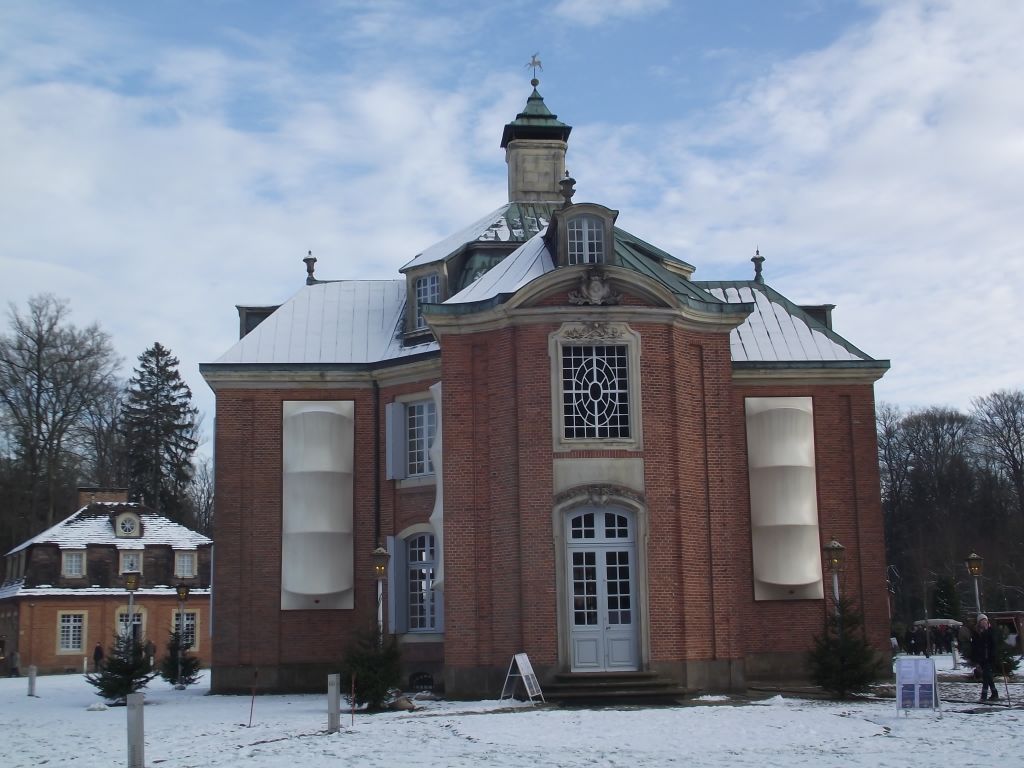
[[63, 590], [568, 446]]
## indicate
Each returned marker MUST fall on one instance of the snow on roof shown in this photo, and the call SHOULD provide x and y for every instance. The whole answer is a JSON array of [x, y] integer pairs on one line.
[[348, 321], [17, 588], [92, 525], [777, 330], [511, 222], [529, 261]]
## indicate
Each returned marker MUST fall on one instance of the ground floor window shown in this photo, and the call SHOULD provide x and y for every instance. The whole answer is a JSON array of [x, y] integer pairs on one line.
[[422, 613], [191, 620], [71, 632], [136, 625]]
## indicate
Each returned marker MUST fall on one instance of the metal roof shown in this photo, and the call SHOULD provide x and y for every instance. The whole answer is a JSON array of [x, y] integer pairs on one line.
[[778, 330], [513, 222], [348, 321]]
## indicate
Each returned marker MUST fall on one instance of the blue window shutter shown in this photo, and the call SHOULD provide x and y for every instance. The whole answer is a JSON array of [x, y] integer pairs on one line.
[[395, 448]]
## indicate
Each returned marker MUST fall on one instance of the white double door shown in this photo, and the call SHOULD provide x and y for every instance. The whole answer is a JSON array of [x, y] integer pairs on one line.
[[601, 570]]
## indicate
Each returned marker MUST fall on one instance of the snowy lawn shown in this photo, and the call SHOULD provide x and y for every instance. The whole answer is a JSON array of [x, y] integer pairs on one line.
[[190, 728]]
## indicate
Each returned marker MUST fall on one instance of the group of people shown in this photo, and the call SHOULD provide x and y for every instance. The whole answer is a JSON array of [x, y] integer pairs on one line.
[[921, 640]]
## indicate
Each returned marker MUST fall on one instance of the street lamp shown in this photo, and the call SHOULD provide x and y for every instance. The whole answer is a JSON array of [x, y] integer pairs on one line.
[[974, 562], [834, 552], [380, 569], [182, 590], [131, 583]]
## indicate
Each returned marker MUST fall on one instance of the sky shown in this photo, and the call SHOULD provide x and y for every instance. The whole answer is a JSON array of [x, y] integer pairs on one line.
[[69, 725], [162, 162]]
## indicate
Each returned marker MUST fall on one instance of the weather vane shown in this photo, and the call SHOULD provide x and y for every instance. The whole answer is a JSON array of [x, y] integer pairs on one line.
[[535, 64]]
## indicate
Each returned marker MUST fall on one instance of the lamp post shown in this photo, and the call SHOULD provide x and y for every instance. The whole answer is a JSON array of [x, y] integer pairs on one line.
[[974, 562], [380, 569], [182, 590], [131, 583], [834, 552]]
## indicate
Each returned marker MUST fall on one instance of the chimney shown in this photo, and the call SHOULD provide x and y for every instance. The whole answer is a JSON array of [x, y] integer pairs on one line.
[[88, 494]]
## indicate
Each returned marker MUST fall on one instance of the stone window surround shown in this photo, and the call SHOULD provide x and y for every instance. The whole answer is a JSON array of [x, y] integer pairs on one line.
[[588, 334], [82, 632], [179, 556], [195, 614], [121, 568]]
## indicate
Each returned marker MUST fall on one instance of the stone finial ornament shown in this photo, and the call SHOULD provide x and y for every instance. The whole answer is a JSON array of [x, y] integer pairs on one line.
[[310, 261], [567, 186], [758, 260]]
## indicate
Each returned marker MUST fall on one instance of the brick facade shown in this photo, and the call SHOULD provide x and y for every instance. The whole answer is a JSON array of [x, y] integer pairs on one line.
[[702, 625]]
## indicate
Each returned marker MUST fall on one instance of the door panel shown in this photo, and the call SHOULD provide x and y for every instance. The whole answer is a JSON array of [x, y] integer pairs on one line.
[[602, 613]]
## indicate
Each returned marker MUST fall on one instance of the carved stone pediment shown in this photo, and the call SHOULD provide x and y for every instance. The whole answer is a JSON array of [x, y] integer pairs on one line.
[[597, 495], [594, 290], [593, 332]]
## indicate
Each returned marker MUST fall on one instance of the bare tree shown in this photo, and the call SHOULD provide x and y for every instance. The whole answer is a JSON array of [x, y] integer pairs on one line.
[[51, 374], [999, 419], [200, 495]]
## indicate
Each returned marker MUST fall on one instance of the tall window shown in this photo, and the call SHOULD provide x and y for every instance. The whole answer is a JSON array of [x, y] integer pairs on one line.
[[428, 291], [595, 391], [420, 579], [131, 560], [421, 423], [184, 564], [70, 629], [74, 564], [586, 240], [189, 631], [122, 624]]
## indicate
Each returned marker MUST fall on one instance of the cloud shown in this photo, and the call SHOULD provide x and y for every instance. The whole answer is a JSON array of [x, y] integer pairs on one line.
[[881, 173], [592, 13]]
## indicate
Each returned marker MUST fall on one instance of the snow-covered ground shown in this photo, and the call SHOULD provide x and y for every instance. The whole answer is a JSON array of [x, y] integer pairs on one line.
[[190, 728]]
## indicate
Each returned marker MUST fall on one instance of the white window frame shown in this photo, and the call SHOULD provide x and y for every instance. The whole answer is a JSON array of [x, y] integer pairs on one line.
[[596, 335], [586, 239], [179, 556], [126, 553], [139, 613], [191, 625], [426, 290], [411, 427], [69, 556], [400, 590], [68, 627]]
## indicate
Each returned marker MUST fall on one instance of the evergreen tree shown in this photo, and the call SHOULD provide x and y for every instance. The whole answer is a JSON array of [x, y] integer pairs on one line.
[[160, 429], [174, 669], [376, 664], [945, 600], [126, 671], [841, 660]]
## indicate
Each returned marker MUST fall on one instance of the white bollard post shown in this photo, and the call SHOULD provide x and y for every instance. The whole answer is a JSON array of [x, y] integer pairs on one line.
[[85, 665], [136, 731], [32, 680], [333, 703]]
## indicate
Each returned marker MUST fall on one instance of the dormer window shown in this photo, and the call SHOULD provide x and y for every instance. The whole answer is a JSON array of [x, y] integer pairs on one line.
[[428, 291], [583, 234], [586, 240], [127, 526]]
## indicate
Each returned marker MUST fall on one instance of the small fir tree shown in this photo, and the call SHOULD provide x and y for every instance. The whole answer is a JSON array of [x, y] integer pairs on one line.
[[375, 662], [188, 671], [841, 660], [126, 670]]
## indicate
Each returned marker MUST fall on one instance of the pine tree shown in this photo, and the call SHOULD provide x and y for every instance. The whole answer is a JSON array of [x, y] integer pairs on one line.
[[174, 670], [376, 664], [126, 671], [841, 660], [160, 429]]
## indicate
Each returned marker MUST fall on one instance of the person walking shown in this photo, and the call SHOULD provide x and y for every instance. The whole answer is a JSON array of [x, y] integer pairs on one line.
[[984, 655], [97, 657]]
